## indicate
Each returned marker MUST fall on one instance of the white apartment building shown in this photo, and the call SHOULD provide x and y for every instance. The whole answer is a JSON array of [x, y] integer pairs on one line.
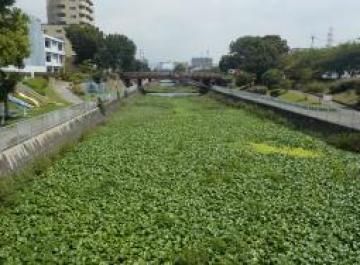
[[35, 63], [54, 54], [67, 12], [46, 53]]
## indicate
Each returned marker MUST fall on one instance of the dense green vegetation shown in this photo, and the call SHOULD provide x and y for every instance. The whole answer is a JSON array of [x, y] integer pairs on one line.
[[156, 88], [188, 181], [319, 71]]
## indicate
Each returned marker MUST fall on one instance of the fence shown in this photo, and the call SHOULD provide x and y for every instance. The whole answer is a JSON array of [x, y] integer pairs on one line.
[[27, 129], [339, 116]]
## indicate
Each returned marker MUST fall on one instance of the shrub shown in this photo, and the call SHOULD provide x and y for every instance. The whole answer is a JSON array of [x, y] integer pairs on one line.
[[78, 90], [74, 77], [305, 75], [346, 141], [258, 90], [286, 84], [276, 92], [315, 87], [243, 79], [273, 78], [345, 85], [98, 77]]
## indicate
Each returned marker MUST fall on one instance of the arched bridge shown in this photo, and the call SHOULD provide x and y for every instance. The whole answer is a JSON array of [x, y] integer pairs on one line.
[[204, 79]]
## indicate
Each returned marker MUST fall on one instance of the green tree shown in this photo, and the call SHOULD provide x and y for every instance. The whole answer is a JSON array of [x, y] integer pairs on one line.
[[243, 78], [303, 65], [14, 47], [180, 68], [118, 53], [141, 66], [273, 78], [228, 62], [86, 41], [255, 54], [341, 59]]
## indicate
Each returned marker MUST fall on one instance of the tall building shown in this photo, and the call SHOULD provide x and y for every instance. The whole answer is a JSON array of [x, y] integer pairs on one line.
[[165, 67], [66, 12], [202, 63]]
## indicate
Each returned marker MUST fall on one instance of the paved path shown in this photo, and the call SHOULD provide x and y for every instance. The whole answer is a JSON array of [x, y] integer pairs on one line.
[[62, 88], [338, 116]]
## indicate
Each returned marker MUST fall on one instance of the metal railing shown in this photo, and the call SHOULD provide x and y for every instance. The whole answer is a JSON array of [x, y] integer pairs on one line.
[[329, 113], [24, 130]]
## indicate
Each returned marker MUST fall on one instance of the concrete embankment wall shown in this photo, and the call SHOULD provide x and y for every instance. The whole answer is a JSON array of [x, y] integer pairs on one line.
[[21, 155], [298, 120]]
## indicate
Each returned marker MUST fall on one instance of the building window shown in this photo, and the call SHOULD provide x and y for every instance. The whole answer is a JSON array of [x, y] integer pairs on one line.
[[60, 46], [48, 57], [47, 43]]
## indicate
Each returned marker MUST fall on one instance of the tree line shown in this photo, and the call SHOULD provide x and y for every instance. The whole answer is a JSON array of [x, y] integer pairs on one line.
[[269, 60], [114, 52]]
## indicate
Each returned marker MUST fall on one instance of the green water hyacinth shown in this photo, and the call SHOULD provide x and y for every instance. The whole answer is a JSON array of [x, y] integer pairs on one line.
[[179, 181]]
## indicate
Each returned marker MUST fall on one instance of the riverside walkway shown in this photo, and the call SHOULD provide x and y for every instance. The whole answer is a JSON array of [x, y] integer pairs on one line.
[[338, 116]]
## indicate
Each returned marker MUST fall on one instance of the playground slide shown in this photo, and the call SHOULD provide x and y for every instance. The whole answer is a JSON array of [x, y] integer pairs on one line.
[[34, 101], [19, 102]]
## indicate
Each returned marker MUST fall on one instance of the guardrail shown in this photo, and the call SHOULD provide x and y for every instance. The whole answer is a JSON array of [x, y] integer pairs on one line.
[[342, 117]]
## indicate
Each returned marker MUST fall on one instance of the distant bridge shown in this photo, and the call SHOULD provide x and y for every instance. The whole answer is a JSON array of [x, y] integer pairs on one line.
[[205, 79]]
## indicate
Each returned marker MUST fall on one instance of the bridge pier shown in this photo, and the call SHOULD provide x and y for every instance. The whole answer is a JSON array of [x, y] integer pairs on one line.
[[127, 82], [205, 85], [140, 86]]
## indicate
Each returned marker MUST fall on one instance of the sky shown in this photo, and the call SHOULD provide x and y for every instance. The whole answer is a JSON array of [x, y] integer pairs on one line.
[[177, 30]]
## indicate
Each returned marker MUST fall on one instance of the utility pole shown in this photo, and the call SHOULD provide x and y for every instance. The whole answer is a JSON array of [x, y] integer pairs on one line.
[[330, 38], [142, 59], [313, 41]]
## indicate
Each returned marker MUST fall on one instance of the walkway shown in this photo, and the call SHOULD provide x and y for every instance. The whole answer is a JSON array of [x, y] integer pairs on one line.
[[338, 116], [62, 88]]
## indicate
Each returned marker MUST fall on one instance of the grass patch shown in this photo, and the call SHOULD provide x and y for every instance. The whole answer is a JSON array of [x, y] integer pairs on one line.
[[300, 98], [349, 97], [38, 84], [285, 150]]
